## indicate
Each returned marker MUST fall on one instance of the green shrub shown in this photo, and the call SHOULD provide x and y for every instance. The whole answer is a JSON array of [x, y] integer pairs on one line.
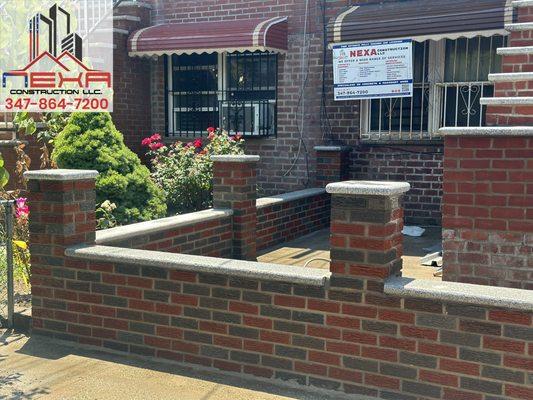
[[91, 141]]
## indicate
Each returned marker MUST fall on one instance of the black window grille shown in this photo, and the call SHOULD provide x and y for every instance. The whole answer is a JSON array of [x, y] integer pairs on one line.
[[236, 92]]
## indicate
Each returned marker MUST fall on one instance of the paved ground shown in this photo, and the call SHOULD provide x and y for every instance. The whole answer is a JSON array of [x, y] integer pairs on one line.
[[316, 246], [40, 368]]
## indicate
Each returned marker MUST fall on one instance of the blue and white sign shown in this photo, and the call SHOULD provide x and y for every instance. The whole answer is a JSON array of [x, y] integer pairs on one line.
[[373, 70]]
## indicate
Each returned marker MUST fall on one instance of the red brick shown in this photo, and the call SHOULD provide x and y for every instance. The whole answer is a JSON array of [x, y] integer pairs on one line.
[[513, 317], [439, 378], [381, 381], [462, 367], [505, 345]]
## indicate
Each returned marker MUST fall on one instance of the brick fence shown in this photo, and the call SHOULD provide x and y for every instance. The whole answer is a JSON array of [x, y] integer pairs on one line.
[[214, 232], [359, 329]]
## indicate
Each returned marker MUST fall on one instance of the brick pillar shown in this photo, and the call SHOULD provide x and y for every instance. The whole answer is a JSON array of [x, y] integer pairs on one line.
[[235, 187], [366, 226], [332, 164], [487, 207], [62, 214]]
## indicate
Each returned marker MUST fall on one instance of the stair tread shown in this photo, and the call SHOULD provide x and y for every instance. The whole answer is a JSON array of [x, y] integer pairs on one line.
[[519, 26], [515, 50], [510, 76], [506, 100]]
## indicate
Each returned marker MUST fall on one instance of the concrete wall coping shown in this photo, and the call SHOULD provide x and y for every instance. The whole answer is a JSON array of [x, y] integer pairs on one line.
[[331, 148], [457, 292], [61, 174], [159, 225], [369, 188], [488, 131], [286, 197], [212, 265], [235, 158]]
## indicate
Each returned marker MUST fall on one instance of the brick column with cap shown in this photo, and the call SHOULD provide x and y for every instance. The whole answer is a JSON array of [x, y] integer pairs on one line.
[[62, 214], [235, 187], [332, 164], [366, 229]]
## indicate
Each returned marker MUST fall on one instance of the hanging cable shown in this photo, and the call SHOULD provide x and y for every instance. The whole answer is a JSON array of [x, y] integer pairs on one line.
[[301, 100]]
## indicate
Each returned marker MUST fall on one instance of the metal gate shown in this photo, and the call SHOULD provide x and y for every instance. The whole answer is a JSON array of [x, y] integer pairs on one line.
[[7, 290]]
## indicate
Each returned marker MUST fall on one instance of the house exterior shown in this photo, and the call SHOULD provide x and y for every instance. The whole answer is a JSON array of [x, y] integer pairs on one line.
[[264, 68]]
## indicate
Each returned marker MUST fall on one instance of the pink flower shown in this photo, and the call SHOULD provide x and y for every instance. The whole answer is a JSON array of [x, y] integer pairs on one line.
[[188, 145], [197, 143], [238, 136], [210, 129], [146, 141], [155, 146], [211, 135], [22, 209], [156, 137]]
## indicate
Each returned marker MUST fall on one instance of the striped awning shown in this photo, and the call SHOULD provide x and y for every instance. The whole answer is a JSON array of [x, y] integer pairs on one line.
[[421, 20], [210, 37]]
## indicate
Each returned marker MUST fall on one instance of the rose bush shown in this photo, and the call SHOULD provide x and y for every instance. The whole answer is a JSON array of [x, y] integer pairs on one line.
[[185, 171]]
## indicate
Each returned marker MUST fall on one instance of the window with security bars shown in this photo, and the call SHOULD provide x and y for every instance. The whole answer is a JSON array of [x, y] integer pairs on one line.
[[449, 78], [236, 92]]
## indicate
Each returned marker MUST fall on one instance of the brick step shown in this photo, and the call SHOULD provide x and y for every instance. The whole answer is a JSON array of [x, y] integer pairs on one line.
[[515, 51], [511, 77], [506, 101], [519, 27], [522, 3]]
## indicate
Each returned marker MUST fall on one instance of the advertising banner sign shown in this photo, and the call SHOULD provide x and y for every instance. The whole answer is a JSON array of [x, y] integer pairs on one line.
[[373, 70], [57, 55]]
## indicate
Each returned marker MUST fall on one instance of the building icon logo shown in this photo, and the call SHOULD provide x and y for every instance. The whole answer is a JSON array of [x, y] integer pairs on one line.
[[72, 42], [56, 76]]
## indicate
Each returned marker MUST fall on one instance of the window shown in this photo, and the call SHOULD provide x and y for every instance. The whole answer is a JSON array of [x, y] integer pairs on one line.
[[234, 91], [449, 78]]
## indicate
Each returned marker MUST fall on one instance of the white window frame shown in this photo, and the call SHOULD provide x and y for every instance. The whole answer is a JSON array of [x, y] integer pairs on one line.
[[437, 92]]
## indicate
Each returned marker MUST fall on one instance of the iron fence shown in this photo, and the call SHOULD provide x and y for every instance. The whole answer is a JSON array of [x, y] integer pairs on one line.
[[7, 290]]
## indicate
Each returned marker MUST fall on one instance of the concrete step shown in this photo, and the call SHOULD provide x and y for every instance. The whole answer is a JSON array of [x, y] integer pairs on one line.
[[489, 131], [511, 77], [506, 101], [514, 51], [522, 3], [126, 18], [519, 27], [113, 30], [134, 4]]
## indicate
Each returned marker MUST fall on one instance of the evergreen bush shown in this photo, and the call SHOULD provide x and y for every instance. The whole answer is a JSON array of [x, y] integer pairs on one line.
[[91, 141]]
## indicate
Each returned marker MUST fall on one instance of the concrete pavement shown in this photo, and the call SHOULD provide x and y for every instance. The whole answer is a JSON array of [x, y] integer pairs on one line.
[[42, 368]]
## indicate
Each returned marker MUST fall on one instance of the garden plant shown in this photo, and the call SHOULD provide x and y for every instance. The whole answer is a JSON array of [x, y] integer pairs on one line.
[[185, 170]]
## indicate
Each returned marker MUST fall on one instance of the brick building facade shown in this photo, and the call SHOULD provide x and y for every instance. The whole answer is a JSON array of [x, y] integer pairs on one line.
[[307, 115]]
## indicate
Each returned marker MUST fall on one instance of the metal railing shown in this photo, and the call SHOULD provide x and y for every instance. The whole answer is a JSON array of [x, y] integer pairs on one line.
[[7, 289]]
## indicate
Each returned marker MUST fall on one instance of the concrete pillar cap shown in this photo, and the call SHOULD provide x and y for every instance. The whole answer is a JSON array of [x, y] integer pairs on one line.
[[235, 158], [61, 174], [369, 188]]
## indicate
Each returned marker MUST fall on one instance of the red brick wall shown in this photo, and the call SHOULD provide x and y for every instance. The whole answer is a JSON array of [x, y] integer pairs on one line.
[[282, 222], [421, 166], [357, 341], [131, 83], [210, 238], [488, 210]]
